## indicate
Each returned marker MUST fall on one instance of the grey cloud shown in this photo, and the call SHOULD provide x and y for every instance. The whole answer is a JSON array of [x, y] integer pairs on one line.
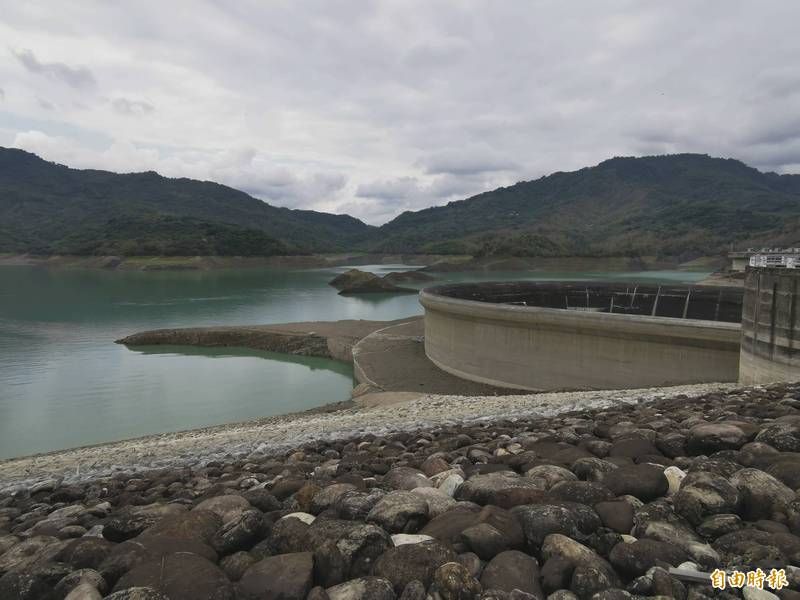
[[125, 106], [381, 107], [402, 187], [45, 104], [77, 77], [466, 162], [2, 94]]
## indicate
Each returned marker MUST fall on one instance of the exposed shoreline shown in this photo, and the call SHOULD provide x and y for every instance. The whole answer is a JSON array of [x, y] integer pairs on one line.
[[275, 434], [430, 262]]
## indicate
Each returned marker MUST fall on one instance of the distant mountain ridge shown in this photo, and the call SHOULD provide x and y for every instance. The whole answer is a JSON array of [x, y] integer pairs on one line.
[[682, 204], [685, 205], [50, 208]]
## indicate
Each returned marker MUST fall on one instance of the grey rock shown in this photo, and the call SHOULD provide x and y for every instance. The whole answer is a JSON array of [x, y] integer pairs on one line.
[[491, 487], [406, 478], [760, 494], [633, 560], [225, 507], [133, 520], [708, 438], [363, 588], [240, 533], [645, 482], [404, 564], [327, 496], [546, 476], [400, 512], [485, 540], [180, 576], [783, 436], [454, 582], [284, 577], [137, 593], [355, 505], [512, 570], [703, 494], [235, 565]]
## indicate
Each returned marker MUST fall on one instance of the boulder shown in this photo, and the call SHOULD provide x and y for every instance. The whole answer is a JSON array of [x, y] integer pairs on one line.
[[406, 478], [363, 588], [633, 560], [450, 526], [783, 436], [235, 565], [592, 469], [454, 582], [403, 564], [485, 540], [30, 552], [645, 482], [327, 496], [355, 505], [240, 533], [546, 476], [438, 502], [200, 525], [79, 577], [708, 438], [85, 553], [400, 512], [137, 593], [226, 507], [512, 570], [180, 576], [283, 577], [617, 515], [539, 521], [703, 494], [582, 492], [492, 488], [591, 572], [717, 525], [130, 521], [760, 494], [344, 549]]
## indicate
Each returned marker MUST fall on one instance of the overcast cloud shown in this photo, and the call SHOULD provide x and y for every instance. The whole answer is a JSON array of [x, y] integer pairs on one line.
[[374, 108]]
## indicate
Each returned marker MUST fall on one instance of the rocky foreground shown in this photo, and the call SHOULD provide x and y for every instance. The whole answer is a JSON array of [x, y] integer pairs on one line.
[[597, 503]]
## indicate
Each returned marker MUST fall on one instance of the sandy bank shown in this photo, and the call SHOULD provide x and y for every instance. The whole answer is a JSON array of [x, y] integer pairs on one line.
[[279, 433], [326, 339]]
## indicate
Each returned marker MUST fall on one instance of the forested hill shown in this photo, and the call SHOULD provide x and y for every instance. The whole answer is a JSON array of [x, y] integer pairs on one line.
[[683, 205], [676, 205], [48, 208]]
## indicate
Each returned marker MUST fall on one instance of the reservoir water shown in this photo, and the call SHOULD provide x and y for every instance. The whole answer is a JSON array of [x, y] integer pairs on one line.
[[64, 383]]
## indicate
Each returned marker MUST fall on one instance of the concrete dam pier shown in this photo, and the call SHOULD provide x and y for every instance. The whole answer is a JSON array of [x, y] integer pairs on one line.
[[550, 336], [770, 326]]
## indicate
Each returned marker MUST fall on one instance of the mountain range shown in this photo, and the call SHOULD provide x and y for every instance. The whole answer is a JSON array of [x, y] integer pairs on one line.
[[681, 205]]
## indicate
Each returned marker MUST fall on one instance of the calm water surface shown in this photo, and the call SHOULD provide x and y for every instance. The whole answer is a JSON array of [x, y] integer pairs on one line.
[[64, 383]]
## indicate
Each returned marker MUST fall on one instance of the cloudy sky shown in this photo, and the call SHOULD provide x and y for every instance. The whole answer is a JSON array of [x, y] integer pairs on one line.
[[373, 108]]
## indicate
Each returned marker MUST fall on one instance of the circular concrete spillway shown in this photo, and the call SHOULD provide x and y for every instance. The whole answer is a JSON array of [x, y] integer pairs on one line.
[[551, 336]]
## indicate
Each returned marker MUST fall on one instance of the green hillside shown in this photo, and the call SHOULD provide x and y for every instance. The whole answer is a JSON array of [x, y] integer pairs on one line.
[[684, 205], [48, 208], [676, 205]]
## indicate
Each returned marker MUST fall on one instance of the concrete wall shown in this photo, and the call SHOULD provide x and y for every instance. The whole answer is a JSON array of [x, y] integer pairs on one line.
[[770, 326], [546, 349]]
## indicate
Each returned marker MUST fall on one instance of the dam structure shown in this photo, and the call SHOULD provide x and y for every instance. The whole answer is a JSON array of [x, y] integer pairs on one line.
[[560, 336], [770, 349]]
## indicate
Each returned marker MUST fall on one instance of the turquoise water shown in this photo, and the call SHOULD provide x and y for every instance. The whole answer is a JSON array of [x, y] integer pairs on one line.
[[64, 383]]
